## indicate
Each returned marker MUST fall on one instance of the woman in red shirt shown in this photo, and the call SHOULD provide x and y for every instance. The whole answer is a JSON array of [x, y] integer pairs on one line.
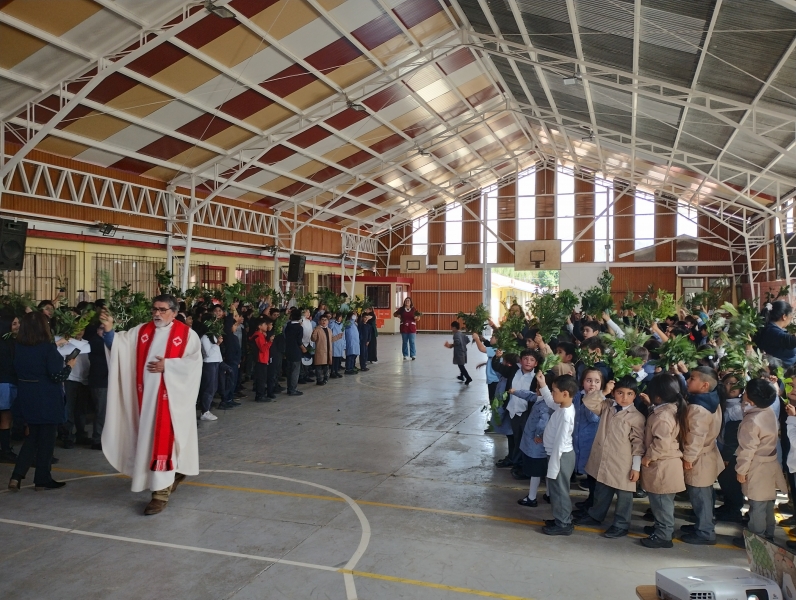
[[409, 317]]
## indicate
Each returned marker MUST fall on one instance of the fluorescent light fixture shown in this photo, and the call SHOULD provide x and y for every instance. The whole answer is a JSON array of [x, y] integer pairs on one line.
[[219, 11], [572, 79], [354, 106]]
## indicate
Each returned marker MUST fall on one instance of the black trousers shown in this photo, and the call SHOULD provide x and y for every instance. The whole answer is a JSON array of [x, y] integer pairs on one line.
[[517, 427], [463, 372], [337, 363], [363, 356], [38, 445], [261, 377], [491, 389], [728, 482], [274, 373], [373, 349]]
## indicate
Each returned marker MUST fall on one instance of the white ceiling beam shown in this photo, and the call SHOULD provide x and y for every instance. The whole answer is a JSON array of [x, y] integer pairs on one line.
[[573, 24], [106, 66], [21, 79], [694, 80]]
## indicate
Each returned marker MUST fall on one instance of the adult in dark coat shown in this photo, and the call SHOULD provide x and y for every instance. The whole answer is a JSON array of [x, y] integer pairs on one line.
[[97, 381], [9, 325], [773, 339], [374, 338], [40, 398], [294, 350], [365, 339]]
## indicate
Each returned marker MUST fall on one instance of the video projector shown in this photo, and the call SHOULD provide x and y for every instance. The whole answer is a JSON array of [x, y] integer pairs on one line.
[[714, 583]]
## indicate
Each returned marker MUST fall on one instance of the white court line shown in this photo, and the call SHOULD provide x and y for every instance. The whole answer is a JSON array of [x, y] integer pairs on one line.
[[364, 540], [167, 545], [351, 593]]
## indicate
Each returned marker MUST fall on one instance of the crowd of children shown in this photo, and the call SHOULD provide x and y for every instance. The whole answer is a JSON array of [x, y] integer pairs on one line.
[[663, 434]]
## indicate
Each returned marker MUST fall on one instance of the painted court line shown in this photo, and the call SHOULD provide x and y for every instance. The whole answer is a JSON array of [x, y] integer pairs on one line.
[[168, 545], [347, 571]]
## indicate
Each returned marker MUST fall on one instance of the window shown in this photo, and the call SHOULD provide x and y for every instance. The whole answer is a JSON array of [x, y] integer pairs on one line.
[[249, 275], [526, 205], [686, 220], [453, 230], [120, 269], [489, 213], [644, 222], [212, 278], [565, 212], [604, 220], [46, 271], [298, 288], [330, 281], [379, 295], [420, 236]]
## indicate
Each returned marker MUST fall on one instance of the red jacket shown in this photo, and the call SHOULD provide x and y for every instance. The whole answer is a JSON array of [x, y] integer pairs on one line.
[[263, 347], [408, 324]]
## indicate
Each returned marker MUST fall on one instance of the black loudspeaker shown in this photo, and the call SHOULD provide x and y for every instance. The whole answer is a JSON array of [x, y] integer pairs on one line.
[[295, 272], [12, 244]]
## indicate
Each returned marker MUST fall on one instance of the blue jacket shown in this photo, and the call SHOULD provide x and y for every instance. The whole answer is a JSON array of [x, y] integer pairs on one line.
[[534, 426], [777, 342], [40, 392], [586, 424], [491, 376], [505, 420], [351, 339], [338, 347]]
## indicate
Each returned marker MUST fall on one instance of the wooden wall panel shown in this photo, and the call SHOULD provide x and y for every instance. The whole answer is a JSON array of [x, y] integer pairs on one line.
[[441, 297], [716, 233], [637, 279], [436, 238], [471, 233], [584, 217], [507, 221], [624, 222], [665, 227], [545, 204]]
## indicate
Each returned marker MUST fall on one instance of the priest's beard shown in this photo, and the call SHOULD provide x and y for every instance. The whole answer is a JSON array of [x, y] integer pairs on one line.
[[161, 323]]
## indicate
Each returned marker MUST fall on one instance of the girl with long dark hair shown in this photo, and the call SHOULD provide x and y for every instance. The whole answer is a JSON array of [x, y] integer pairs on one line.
[[40, 399]]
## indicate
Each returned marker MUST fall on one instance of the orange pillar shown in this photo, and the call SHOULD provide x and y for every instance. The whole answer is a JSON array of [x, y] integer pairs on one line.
[[624, 221], [545, 204], [507, 221], [584, 217]]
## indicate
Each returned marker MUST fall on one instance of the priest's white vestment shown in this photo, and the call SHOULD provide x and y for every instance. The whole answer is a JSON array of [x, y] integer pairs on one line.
[[128, 435]]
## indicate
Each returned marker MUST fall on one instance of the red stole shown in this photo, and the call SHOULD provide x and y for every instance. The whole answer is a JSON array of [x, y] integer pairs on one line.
[[163, 443]]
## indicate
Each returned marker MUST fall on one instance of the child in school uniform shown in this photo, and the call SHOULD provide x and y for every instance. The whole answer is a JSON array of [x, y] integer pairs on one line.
[[557, 441], [534, 456], [615, 459], [459, 346], [263, 342], [702, 460], [586, 424], [351, 344], [732, 414], [501, 423], [662, 465], [758, 469]]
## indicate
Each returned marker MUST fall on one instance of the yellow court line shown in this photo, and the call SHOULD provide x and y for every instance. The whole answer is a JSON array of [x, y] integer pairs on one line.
[[439, 511], [436, 586]]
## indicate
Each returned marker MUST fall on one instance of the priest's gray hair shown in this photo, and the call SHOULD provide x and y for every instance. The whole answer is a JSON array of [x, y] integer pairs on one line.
[[168, 299]]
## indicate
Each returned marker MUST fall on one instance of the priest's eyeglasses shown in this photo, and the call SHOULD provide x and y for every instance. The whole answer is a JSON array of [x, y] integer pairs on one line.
[[160, 310]]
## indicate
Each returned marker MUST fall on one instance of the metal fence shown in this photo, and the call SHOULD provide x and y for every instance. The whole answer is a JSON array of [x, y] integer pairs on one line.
[[46, 272], [117, 270]]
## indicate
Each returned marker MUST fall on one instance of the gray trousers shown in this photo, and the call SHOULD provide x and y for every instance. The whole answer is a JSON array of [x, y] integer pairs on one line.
[[702, 503], [558, 490], [603, 495], [663, 510], [100, 397], [761, 517]]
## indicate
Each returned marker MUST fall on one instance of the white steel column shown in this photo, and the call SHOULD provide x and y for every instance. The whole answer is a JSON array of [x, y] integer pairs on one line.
[[186, 267]]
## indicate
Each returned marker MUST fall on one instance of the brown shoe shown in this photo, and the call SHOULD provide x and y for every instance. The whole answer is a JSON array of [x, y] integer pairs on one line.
[[155, 506], [178, 479]]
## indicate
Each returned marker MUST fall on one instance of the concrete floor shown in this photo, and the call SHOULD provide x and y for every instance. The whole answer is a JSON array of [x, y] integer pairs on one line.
[[431, 518]]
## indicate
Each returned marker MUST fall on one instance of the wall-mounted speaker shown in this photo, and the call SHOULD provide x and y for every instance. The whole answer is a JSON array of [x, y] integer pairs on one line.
[[295, 271], [13, 235]]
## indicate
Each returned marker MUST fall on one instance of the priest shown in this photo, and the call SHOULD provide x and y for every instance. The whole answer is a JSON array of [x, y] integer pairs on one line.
[[154, 372]]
